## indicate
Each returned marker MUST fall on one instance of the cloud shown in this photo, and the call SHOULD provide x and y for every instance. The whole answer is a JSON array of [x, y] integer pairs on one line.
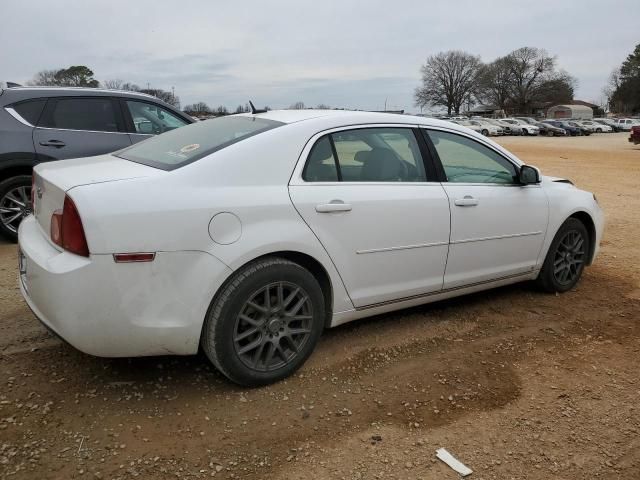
[[341, 52]]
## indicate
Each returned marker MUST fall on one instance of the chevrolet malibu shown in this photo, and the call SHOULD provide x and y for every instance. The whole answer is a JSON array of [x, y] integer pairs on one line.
[[247, 235]]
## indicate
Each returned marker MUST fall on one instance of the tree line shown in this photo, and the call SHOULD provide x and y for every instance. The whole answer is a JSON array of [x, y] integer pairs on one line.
[[83, 76], [518, 82]]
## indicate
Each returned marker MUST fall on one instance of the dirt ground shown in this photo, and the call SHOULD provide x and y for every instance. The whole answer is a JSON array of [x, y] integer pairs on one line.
[[517, 384]]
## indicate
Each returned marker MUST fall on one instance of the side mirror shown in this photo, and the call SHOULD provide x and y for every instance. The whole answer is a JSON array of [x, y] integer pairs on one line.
[[529, 175]]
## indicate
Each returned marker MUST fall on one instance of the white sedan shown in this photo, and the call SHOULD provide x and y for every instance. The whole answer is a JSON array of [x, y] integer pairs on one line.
[[248, 235]]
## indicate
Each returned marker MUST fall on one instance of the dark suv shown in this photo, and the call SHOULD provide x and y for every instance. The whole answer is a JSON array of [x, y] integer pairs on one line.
[[38, 124]]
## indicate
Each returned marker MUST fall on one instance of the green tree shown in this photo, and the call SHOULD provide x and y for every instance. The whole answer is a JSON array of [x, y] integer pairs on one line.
[[625, 85], [74, 76]]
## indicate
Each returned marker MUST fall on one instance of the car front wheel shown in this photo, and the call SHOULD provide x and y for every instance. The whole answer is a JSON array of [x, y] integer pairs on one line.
[[265, 322], [15, 204], [566, 258]]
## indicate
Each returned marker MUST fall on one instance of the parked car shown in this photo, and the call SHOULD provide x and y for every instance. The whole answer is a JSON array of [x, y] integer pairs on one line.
[[634, 137], [570, 129], [40, 124], [586, 131], [625, 124], [527, 129], [247, 235], [595, 127], [529, 120], [486, 128], [609, 122], [466, 123], [508, 128], [550, 130]]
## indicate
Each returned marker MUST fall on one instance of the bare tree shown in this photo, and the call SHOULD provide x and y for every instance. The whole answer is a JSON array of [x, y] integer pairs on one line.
[[197, 108], [165, 96], [448, 79], [323, 106], [495, 84], [221, 110], [115, 84], [44, 78], [297, 106], [529, 67]]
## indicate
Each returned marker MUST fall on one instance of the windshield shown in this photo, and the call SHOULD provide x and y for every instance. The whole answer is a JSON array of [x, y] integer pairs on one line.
[[185, 145]]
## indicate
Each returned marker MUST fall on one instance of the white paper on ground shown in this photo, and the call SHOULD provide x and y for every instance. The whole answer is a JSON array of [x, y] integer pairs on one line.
[[453, 462]]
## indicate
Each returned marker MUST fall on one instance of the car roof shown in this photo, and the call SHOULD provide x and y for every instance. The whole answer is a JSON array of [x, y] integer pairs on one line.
[[339, 118], [16, 94]]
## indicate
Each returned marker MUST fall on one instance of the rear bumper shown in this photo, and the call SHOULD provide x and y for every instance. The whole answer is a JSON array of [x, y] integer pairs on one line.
[[118, 310]]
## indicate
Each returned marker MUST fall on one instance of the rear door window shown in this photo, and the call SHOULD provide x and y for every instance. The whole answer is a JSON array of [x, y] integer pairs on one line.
[[93, 114], [30, 110]]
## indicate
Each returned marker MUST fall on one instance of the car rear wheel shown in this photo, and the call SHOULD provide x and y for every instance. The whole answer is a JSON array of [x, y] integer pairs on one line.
[[525, 131], [15, 204], [566, 258], [485, 132], [598, 130], [549, 133], [265, 322]]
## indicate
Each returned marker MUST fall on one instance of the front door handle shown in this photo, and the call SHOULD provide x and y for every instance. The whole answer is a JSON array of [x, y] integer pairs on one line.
[[467, 201], [333, 206], [53, 143]]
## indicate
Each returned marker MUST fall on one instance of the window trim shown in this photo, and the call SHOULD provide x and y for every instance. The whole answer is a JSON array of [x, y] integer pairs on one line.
[[11, 110], [440, 167], [52, 102], [297, 174], [128, 120]]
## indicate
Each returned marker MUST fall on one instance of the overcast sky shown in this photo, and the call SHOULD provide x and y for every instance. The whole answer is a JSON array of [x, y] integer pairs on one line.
[[354, 54]]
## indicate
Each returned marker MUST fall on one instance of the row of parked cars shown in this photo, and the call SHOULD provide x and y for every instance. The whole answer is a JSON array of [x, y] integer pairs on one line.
[[550, 127]]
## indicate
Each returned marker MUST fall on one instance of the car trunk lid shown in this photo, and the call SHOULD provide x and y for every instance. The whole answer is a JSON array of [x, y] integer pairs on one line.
[[52, 180]]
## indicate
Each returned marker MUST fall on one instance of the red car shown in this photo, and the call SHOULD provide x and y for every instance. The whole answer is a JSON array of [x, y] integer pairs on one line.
[[635, 135]]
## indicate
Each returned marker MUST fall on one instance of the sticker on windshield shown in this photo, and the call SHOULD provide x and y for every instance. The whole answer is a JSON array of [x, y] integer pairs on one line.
[[190, 148]]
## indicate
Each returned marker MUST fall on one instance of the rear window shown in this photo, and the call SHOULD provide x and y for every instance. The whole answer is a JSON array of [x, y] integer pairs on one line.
[[185, 145]]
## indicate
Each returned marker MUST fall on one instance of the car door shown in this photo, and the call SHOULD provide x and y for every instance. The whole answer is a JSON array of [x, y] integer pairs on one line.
[[497, 225], [145, 119], [72, 127], [377, 209]]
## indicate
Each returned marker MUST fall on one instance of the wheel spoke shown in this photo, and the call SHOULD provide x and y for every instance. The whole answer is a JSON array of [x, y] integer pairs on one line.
[[290, 297], [9, 196], [296, 308], [9, 209], [280, 304], [281, 354], [298, 331], [245, 334], [250, 346], [269, 356], [251, 321], [257, 307], [255, 360], [14, 218]]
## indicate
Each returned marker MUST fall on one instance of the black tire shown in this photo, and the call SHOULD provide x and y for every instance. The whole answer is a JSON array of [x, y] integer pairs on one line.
[[233, 309], [562, 259], [598, 130], [8, 189], [549, 133], [525, 132], [485, 132]]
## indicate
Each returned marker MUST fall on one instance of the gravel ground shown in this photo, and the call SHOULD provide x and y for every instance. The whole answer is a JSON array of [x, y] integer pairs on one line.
[[517, 384]]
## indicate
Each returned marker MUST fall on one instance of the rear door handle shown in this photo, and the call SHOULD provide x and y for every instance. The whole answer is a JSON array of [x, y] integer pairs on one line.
[[53, 143], [333, 206], [467, 201]]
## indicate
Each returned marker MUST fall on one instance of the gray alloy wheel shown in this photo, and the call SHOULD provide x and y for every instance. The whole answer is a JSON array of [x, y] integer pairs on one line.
[[15, 204], [549, 133], [569, 257], [566, 258], [264, 322], [273, 326]]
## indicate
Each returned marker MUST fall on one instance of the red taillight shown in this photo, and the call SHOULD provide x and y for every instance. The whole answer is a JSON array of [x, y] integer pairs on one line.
[[133, 257], [67, 231]]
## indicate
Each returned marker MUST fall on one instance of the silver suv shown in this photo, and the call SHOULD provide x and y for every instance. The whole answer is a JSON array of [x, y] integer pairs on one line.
[[39, 124]]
